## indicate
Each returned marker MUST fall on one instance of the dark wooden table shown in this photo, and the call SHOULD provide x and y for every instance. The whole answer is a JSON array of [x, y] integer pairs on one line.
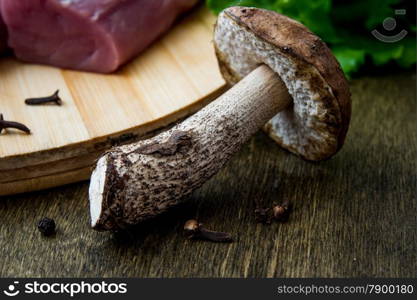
[[354, 215]]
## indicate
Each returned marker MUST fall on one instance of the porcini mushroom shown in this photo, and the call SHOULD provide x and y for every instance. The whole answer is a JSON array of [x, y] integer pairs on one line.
[[284, 76]]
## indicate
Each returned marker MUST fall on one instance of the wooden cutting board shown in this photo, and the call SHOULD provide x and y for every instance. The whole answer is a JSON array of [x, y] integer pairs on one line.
[[176, 76]]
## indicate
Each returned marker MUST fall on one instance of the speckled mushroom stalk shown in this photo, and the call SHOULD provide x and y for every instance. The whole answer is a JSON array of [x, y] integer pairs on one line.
[[284, 76], [135, 182]]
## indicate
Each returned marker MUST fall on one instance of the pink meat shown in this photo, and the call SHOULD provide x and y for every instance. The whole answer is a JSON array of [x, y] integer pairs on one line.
[[3, 35], [91, 35]]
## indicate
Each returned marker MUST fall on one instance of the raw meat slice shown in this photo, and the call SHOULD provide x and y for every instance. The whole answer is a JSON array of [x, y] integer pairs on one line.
[[3, 35], [91, 35]]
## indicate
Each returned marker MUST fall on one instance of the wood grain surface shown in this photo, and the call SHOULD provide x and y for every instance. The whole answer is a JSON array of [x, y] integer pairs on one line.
[[354, 215], [174, 77]]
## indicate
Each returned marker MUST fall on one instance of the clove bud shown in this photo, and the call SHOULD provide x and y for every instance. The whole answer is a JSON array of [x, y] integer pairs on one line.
[[263, 215], [10, 124], [282, 211], [42, 100], [195, 230]]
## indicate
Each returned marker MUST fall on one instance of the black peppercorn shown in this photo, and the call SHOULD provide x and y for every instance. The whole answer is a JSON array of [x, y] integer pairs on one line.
[[46, 226]]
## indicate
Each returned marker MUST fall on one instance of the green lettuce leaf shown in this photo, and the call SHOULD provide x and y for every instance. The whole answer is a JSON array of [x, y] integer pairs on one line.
[[346, 26]]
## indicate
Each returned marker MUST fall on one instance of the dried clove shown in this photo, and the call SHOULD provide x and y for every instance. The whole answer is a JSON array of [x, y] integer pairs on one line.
[[263, 215], [46, 226], [10, 124], [195, 230], [42, 100], [282, 211]]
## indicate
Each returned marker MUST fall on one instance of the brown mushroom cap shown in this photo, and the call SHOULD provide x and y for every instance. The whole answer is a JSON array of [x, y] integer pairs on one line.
[[315, 126]]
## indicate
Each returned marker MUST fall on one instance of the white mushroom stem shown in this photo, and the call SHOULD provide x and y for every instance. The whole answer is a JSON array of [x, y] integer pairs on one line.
[[135, 182]]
